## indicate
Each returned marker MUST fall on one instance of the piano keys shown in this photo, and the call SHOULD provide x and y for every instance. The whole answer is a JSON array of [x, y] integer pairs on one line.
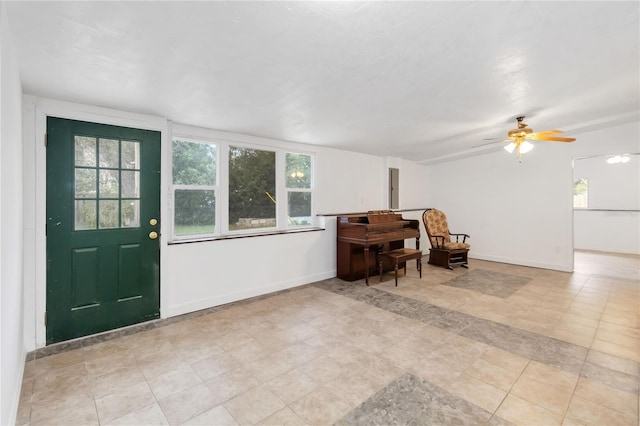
[[362, 236]]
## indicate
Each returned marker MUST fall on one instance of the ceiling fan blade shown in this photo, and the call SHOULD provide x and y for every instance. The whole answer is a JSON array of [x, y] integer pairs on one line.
[[490, 143], [547, 132], [553, 139]]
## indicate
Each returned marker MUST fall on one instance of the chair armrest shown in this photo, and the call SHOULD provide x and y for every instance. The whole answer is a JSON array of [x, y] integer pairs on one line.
[[464, 237]]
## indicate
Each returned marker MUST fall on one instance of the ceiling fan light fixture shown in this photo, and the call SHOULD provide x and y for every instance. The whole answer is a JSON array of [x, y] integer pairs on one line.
[[509, 148], [525, 147]]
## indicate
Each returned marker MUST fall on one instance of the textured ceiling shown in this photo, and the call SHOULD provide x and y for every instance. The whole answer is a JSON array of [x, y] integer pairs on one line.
[[418, 80]]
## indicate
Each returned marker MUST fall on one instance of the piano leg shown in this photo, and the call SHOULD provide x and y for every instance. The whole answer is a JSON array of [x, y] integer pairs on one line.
[[366, 265]]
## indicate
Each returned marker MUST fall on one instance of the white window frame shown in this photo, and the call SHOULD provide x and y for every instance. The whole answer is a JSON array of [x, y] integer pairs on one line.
[[288, 190], [221, 190], [215, 188]]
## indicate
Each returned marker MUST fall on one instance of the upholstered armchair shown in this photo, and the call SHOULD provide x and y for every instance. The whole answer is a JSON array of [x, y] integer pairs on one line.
[[444, 252]]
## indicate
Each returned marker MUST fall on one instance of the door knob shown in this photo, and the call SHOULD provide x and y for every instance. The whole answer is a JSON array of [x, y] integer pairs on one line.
[[153, 235], [153, 222]]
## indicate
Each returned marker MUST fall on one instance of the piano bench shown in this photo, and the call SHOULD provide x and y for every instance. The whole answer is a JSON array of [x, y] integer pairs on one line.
[[399, 256]]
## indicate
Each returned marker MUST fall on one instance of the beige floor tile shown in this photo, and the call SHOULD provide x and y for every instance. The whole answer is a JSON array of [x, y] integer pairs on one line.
[[478, 392], [505, 359], [613, 363], [187, 404], [249, 352], [607, 396], [218, 416], [97, 366], [492, 374], [437, 371], [553, 399], [150, 415], [162, 363], [322, 369], [121, 378], [254, 405], [173, 382], [215, 365], [291, 385], [233, 340], [53, 387], [619, 339], [572, 337], [561, 380], [616, 349], [357, 385], [523, 412], [268, 367], [320, 407], [589, 413], [61, 360], [626, 321], [197, 351], [620, 329], [124, 401], [75, 409], [233, 383], [571, 319], [284, 417]]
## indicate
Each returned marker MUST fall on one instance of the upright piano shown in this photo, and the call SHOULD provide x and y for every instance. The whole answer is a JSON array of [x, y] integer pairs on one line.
[[362, 236]]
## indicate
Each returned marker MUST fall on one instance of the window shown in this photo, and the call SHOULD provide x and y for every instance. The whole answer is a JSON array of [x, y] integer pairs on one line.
[[298, 184], [252, 188], [580, 194], [194, 188], [106, 183], [226, 188]]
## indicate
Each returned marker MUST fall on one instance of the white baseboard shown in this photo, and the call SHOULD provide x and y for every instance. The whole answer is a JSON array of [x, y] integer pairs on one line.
[[522, 262], [197, 305]]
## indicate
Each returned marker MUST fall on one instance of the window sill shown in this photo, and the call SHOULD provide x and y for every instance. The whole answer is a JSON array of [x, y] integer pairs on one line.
[[251, 235]]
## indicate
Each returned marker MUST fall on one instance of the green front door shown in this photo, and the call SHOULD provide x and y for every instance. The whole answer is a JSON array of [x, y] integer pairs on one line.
[[103, 206]]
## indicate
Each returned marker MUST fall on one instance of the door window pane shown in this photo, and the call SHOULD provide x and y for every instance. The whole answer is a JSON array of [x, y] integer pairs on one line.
[[299, 208], [85, 183], [85, 151], [109, 184], [85, 214], [130, 155], [130, 213], [130, 184], [194, 211], [109, 153], [109, 214], [252, 188]]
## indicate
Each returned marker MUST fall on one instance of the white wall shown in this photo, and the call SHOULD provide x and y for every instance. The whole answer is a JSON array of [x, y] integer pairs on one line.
[[611, 186], [521, 213], [204, 274], [12, 349], [614, 188]]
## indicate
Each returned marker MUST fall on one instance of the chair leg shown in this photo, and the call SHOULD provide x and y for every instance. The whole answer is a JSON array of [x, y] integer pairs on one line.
[[420, 267], [396, 271], [380, 269]]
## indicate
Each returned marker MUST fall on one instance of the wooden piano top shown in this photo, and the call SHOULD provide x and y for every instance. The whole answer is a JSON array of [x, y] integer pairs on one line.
[[376, 227]]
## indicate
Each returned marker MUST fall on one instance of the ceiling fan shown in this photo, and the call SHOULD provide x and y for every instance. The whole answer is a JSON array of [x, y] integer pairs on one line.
[[520, 137]]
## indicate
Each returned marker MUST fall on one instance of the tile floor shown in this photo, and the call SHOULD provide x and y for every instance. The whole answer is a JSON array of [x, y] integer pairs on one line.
[[496, 344]]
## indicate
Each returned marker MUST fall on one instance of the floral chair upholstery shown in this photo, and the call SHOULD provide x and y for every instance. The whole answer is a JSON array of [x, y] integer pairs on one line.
[[444, 252]]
